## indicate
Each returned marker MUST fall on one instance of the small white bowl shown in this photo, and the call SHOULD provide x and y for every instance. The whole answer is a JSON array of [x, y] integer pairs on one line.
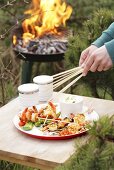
[[73, 104]]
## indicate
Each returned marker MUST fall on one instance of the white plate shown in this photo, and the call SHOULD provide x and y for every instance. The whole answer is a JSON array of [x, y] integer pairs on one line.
[[37, 133]]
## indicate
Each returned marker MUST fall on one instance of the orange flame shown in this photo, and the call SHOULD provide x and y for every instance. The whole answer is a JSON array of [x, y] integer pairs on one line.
[[46, 16], [14, 39]]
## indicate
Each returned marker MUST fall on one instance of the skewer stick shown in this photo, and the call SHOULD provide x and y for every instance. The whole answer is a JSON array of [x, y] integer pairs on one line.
[[68, 78], [64, 72], [63, 77], [45, 120], [74, 81]]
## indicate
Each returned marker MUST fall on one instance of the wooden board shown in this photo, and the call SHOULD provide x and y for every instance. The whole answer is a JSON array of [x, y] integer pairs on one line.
[[19, 148]]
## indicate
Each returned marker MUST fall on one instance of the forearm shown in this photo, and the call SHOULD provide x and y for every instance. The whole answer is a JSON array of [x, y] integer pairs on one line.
[[106, 36]]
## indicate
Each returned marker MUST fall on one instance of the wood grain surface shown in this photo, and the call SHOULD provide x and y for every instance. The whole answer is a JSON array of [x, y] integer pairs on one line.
[[19, 148]]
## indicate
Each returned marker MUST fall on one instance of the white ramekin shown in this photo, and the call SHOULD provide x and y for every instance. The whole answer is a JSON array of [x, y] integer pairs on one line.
[[66, 108], [28, 95], [45, 84]]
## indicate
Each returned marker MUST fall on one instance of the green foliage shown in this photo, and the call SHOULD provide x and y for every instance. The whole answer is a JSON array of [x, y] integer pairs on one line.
[[91, 157], [82, 10], [104, 128], [10, 90], [4, 165], [98, 152]]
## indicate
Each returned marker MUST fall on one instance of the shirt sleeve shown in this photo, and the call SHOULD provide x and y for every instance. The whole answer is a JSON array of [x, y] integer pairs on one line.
[[110, 48], [106, 36]]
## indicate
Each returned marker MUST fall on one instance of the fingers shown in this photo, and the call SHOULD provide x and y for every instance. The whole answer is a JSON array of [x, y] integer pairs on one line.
[[83, 56], [97, 63], [94, 66], [88, 64], [95, 60], [108, 66], [100, 68], [102, 65], [87, 53]]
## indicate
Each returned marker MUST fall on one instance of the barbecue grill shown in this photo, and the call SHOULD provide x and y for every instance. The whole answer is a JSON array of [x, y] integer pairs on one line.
[[42, 37], [30, 57], [33, 57]]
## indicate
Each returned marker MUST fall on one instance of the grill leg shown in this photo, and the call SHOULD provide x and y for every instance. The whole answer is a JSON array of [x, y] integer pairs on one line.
[[26, 72]]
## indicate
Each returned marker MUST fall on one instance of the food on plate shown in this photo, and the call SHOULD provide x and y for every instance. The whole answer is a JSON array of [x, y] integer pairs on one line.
[[61, 124], [47, 120], [49, 110], [33, 114], [39, 122], [52, 127], [71, 116], [28, 126], [75, 126], [66, 119], [79, 118]]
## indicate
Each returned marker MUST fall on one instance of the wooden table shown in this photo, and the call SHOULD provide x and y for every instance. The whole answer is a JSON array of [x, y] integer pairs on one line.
[[19, 148]]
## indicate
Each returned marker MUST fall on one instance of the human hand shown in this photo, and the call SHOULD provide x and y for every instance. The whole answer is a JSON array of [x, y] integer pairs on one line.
[[86, 54], [99, 60]]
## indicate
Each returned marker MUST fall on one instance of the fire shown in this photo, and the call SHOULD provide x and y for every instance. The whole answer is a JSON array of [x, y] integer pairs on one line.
[[45, 17], [14, 39]]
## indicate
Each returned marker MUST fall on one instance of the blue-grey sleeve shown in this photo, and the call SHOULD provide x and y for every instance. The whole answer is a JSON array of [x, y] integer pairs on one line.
[[106, 36]]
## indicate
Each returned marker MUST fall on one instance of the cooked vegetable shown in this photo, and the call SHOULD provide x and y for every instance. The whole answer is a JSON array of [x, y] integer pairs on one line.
[[52, 127], [48, 121], [58, 114], [61, 124], [28, 126], [42, 121], [79, 118], [38, 123], [66, 119]]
